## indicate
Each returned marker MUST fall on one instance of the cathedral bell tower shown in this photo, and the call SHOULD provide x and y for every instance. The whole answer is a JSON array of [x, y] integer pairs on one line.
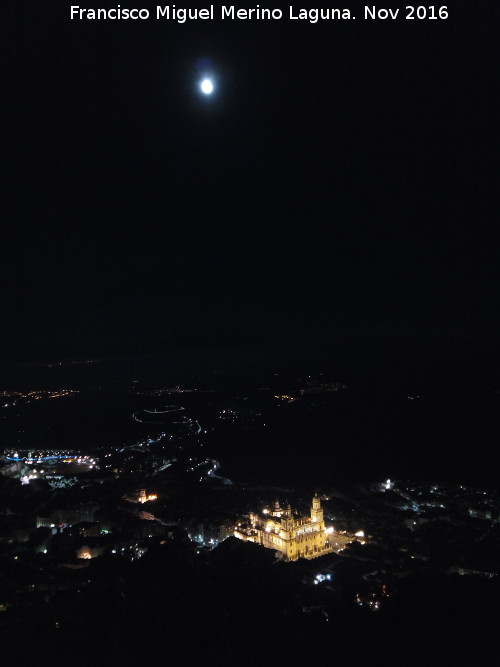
[[287, 518], [317, 512]]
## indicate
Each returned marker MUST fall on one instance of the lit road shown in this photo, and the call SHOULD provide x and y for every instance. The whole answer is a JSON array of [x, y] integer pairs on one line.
[[168, 410], [213, 474]]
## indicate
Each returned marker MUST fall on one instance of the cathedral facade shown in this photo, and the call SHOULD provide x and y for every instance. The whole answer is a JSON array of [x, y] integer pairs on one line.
[[289, 534]]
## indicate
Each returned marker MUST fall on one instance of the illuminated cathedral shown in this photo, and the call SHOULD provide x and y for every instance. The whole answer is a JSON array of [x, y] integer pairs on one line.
[[290, 535]]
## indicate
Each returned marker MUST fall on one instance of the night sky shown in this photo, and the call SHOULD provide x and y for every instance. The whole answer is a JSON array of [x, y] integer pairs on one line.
[[340, 181]]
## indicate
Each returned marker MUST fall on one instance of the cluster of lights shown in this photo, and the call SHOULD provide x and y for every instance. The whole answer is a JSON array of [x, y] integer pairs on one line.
[[285, 397], [159, 392], [229, 414], [372, 604], [34, 395]]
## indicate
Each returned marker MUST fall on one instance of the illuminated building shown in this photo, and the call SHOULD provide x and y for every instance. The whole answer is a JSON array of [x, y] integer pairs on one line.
[[87, 552], [290, 535], [140, 497], [143, 498]]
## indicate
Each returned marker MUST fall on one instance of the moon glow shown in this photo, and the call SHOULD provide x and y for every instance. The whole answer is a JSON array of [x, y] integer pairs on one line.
[[207, 87]]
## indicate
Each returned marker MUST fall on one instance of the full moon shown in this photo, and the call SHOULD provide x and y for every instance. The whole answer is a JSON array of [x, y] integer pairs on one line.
[[207, 87]]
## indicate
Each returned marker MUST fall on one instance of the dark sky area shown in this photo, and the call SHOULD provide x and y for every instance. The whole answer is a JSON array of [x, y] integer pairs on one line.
[[340, 180]]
